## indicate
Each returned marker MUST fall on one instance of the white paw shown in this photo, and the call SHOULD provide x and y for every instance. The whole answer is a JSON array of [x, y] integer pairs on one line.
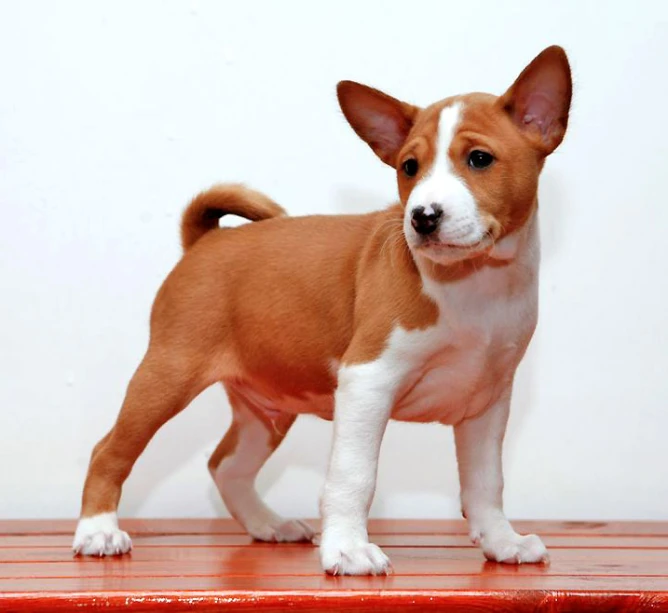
[[100, 536], [288, 531], [514, 549], [354, 558]]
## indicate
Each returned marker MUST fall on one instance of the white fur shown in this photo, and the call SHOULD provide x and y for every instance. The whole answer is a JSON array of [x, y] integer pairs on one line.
[[479, 441], [100, 535], [235, 480], [363, 400], [460, 225], [457, 372]]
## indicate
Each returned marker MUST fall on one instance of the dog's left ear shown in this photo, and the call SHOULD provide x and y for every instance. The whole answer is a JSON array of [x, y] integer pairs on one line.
[[540, 99], [381, 121]]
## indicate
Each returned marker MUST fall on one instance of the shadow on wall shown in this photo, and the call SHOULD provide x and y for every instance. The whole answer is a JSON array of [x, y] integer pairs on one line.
[[177, 443], [552, 211], [405, 488]]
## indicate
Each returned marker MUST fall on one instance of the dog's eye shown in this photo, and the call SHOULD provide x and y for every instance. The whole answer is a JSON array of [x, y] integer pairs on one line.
[[410, 167], [480, 159]]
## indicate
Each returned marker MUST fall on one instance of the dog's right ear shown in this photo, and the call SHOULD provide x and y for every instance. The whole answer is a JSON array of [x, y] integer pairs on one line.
[[381, 121]]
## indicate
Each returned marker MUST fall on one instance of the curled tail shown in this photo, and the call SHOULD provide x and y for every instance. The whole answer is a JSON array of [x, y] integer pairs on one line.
[[209, 206]]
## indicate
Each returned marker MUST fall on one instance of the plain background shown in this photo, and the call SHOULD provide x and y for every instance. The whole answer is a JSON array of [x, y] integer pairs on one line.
[[113, 114]]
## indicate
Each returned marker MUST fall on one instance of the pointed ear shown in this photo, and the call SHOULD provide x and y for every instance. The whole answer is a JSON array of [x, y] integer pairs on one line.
[[539, 100], [381, 121]]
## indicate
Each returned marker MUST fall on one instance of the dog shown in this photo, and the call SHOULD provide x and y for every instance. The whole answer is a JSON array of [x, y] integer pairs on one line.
[[420, 312]]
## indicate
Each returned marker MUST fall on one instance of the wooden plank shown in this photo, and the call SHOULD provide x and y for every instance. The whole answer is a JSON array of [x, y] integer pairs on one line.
[[376, 526], [241, 562], [136, 526], [475, 583], [355, 602], [64, 541], [277, 553]]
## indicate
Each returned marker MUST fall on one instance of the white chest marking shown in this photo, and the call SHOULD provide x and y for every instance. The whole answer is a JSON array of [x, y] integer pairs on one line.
[[459, 366]]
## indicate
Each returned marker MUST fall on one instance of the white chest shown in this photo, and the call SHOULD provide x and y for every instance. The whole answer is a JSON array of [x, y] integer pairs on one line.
[[461, 365]]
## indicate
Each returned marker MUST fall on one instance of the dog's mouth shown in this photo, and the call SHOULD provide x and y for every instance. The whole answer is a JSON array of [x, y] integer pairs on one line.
[[467, 247], [446, 252], [486, 242]]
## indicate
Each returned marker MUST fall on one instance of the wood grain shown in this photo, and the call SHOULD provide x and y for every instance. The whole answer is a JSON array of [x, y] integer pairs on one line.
[[384, 540], [376, 526], [210, 565]]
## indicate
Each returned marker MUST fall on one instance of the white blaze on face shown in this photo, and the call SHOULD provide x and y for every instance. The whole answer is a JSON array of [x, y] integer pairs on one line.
[[460, 224]]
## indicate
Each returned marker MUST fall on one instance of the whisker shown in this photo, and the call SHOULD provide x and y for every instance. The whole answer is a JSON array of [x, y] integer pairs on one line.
[[393, 238]]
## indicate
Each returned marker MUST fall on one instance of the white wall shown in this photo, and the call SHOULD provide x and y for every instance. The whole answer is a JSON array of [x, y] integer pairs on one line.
[[112, 114]]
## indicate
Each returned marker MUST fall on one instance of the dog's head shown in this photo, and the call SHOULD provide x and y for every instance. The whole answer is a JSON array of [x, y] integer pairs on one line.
[[467, 166]]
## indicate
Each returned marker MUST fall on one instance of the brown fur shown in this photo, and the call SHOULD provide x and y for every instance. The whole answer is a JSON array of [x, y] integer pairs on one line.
[[274, 315], [271, 304], [208, 207], [506, 192]]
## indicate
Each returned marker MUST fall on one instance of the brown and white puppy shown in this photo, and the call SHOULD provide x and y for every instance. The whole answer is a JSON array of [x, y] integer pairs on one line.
[[420, 312]]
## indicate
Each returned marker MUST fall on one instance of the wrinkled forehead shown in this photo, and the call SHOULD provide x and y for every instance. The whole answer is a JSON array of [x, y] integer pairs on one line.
[[470, 115]]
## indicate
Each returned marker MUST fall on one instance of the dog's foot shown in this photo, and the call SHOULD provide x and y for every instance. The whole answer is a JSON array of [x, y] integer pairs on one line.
[[283, 531], [354, 558], [100, 535], [514, 549]]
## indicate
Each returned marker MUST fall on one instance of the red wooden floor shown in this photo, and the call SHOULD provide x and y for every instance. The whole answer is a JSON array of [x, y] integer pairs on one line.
[[206, 565]]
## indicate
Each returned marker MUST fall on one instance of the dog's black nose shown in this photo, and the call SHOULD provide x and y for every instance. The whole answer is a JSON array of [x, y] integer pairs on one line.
[[425, 222]]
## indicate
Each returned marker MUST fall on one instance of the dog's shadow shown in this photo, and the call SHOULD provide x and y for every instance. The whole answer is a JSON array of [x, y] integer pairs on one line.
[[417, 474], [186, 439]]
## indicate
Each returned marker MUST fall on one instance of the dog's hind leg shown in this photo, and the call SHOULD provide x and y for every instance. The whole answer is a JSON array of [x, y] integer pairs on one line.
[[164, 383], [235, 463]]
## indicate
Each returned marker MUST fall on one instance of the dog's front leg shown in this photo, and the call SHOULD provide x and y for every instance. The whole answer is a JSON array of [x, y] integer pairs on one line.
[[479, 444], [363, 402]]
